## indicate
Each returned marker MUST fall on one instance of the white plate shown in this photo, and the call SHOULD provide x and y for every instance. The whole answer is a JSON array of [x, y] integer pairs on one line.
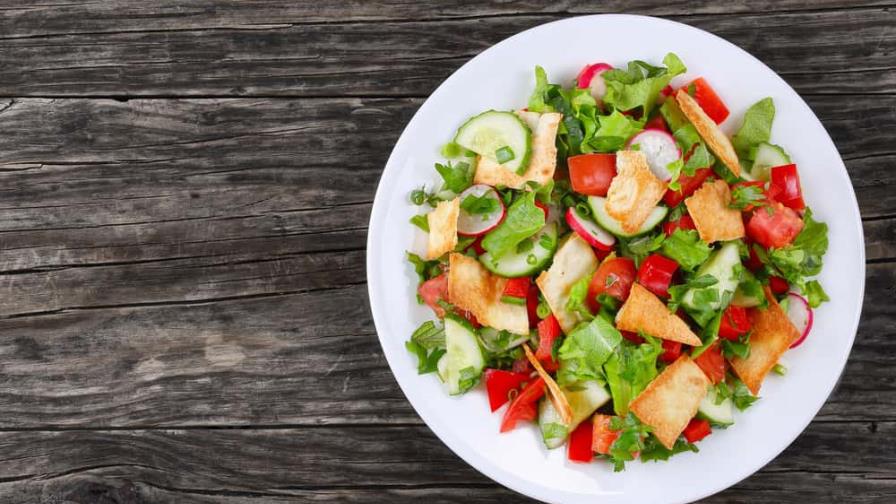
[[502, 78]]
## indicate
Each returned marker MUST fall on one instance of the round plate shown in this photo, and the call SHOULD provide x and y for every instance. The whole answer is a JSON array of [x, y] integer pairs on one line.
[[502, 78]]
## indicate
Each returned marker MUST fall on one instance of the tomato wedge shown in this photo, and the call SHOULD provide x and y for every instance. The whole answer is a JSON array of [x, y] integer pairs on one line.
[[696, 430], [689, 184], [602, 436], [712, 363], [614, 278], [532, 305], [523, 406], [499, 383], [591, 174], [578, 447], [656, 273], [434, 290], [671, 351], [517, 287], [735, 323], [633, 337], [784, 186], [709, 101], [774, 226], [548, 332], [685, 222], [778, 285]]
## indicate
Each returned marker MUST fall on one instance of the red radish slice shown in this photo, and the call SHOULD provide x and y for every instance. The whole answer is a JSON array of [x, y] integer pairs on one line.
[[587, 79], [477, 224], [595, 235], [660, 149], [800, 315]]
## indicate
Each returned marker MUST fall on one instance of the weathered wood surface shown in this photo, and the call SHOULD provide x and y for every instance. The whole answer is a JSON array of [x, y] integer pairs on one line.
[[184, 194]]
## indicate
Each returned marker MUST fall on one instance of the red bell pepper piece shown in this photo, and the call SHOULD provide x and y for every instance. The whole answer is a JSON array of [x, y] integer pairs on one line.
[[685, 222], [517, 287], [735, 323], [656, 273], [671, 351], [548, 332], [709, 101], [633, 337], [523, 406], [602, 436], [778, 285], [499, 383], [689, 184], [784, 186], [579, 444], [712, 362], [696, 430]]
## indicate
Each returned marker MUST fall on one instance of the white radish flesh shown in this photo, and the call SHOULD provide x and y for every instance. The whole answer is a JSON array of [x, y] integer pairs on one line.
[[660, 149], [590, 78], [800, 315], [477, 224], [593, 234]]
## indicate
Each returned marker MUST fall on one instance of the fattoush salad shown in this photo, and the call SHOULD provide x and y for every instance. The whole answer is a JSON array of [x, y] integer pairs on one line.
[[612, 267]]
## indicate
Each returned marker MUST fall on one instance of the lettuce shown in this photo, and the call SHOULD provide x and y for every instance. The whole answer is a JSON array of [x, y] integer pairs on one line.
[[457, 176], [630, 369], [585, 349], [756, 128], [686, 248], [613, 131], [804, 258], [523, 220], [639, 86]]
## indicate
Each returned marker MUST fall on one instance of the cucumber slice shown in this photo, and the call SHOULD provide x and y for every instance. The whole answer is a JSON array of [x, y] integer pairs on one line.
[[463, 361], [765, 156], [490, 131], [719, 414], [721, 265], [584, 399], [532, 255], [612, 225]]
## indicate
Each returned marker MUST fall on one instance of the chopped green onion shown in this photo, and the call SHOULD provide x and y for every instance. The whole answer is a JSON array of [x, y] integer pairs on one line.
[[421, 222], [451, 150], [504, 154], [779, 370], [418, 196], [513, 300]]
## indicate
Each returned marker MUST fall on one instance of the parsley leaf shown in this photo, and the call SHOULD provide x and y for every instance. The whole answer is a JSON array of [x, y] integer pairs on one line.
[[523, 220], [424, 269], [803, 258], [457, 176], [654, 450], [629, 442], [484, 205], [426, 361], [743, 196], [429, 335]]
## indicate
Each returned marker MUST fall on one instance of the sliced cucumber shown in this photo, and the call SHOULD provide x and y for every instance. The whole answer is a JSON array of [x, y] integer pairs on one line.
[[721, 265], [490, 131], [463, 361], [765, 156], [496, 341], [719, 414], [612, 225], [584, 399], [531, 255]]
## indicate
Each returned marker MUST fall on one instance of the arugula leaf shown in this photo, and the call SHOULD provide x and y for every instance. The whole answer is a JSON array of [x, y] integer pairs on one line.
[[523, 220], [483, 205], [424, 269], [686, 248], [629, 442], [654, 450], [743, 196], [756, 128], [457, 176], [577, 301], [420, 221], [815, 293], [429, 335], [426, 361], [585, 349], [629, 369]]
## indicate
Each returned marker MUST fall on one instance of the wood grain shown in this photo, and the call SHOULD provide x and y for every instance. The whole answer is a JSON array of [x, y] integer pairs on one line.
[[289, 51]]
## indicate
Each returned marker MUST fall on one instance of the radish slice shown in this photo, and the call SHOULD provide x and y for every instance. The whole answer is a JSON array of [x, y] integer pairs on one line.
[[587, 79], [660, 149], [595, 235], [477, 224], [800, 316]]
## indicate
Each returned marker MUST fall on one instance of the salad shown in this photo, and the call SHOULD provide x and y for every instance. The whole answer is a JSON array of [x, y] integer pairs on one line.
[[614, 269]]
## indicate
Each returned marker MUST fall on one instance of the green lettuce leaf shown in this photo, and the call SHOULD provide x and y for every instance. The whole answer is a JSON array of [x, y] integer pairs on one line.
[[686, 248], [457, 176], [629, 369], [804, 257], [523, 220], [639, 86], [585, 349], [756, 128]]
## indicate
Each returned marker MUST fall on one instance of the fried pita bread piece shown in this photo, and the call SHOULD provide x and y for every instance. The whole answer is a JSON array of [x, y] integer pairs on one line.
[[471, 287], [715, 221], [543, 160], [772, 335], [442, 228], [717, 141], [558, 398], [671, 400], [634, 191], [644, 312], [573, 260]]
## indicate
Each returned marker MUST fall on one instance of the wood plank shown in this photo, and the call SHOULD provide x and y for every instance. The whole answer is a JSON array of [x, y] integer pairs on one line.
[[241, 51], [247, 465]]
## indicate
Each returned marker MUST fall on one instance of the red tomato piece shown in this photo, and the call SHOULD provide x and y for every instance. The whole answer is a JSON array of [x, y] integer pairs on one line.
[[614, 278], [602, 436], [517, 287], [522, 365], [532, 305], [499, 383], [591, 174], [753, 263], [735, 323], [579, 444], [633, 337], [543, 207], [432, 291], [778, 285], [709, 101], [685, 222], [689, 184], [656, 273], [774, 226], [784, 187], [523, 406], [696, 430], [671, 351], [657, 123], [548, 332], [712, 362]]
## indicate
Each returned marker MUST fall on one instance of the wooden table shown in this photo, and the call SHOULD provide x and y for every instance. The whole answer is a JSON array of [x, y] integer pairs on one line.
[[185, 193]]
